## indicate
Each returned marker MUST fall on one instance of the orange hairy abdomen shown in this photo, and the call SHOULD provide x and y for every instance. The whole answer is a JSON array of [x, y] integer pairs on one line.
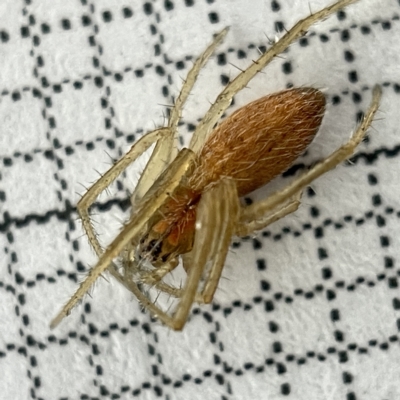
[[260, 140]]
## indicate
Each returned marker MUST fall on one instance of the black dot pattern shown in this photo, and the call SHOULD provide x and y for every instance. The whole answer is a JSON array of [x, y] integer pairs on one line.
[[308, 306]]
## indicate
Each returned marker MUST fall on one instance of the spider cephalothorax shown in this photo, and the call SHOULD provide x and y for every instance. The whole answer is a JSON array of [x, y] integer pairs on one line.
[[171, 230]]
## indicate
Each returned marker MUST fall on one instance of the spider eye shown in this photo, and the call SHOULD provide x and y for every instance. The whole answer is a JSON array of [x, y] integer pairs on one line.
[[155, 248], [152, 243], [143, 239], [165, 257]]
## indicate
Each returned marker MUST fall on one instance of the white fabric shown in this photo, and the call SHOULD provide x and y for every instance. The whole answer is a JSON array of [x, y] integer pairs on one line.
[[309, 309]]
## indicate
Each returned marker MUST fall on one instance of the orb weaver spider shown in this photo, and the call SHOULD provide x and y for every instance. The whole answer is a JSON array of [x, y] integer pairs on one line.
[[186, 204]]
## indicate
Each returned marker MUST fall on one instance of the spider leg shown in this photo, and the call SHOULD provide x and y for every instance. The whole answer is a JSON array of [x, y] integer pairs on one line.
[[257, 210], [166, 149], [155, 276], [157, 195], [224, 99], [245, 227], [221, 203], [91, 195]]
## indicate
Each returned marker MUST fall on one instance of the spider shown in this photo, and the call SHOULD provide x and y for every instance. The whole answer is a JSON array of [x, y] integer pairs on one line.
[[186, 204]]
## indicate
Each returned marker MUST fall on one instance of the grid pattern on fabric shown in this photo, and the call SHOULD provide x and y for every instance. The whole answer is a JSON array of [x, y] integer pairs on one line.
[[308, 308]]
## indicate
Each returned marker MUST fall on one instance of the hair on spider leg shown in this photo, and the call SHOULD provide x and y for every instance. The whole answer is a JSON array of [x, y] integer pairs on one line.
[[260, 52], [105, 278], [146, 289], [81, 236], [284, 29], [119, 219], [89, 292], [112, 159], [156, 298], [108, 192], [349, 162], [85, 187], [168, 106]]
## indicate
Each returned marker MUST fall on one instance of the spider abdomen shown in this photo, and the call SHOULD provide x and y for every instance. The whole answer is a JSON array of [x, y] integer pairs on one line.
[[260, 140]]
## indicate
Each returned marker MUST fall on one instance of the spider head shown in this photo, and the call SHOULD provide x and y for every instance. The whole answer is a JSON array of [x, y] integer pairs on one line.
[[168, 237]]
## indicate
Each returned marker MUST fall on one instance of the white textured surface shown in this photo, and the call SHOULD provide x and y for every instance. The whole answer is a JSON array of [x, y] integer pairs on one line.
[[320, 321]]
